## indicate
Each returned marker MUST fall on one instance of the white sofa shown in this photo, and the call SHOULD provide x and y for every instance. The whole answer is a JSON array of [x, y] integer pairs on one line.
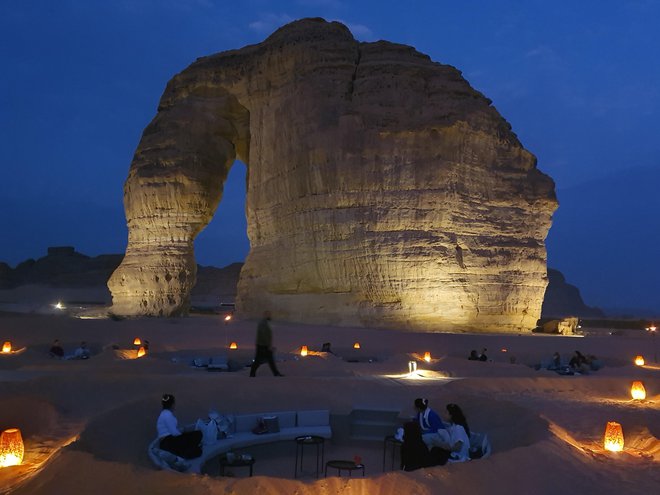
[[292, 424]]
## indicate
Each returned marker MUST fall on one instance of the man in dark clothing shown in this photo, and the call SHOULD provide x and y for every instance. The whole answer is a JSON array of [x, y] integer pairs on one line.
[[264, 347]]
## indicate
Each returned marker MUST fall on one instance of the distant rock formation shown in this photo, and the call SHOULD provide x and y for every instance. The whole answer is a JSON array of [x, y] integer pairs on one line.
[[563, 299], [382, 189], [63, 266], [215, 286]]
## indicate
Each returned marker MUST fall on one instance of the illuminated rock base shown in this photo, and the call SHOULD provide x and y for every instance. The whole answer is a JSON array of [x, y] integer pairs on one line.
[[382, 189]]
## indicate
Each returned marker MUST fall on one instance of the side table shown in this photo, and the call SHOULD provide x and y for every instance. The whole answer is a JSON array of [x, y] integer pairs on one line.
[[340, 466], [319, 442], [390, 440], [238, 462]]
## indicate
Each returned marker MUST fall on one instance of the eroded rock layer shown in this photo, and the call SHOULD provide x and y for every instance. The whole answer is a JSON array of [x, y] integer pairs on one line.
[[382, 189]]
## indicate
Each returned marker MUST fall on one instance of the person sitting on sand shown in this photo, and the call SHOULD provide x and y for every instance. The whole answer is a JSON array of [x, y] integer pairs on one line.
[[482, 356], [555, 364], [81, 352], [473, 355], [415, 454], [56, 350], [185, 444], [578, 362], [594, 363], [429, 422], [455, 439]]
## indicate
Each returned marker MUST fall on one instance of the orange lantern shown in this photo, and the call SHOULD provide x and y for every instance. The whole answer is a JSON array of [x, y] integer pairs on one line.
[[356, 345], [233, 345], [427, 357], [637, 391], [137, 341], [141, 352], [303, 351], [613, 437], [639, 360], [6, 347], [11, 448]]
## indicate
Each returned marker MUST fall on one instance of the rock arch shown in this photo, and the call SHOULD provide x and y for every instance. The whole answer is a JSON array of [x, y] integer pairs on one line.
[[382, 189]]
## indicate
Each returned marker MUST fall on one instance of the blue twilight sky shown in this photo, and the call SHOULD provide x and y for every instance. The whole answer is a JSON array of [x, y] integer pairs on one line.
[[579, 81]]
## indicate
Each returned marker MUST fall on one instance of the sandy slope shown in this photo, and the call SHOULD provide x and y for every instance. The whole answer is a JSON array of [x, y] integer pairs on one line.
[[546, 429]]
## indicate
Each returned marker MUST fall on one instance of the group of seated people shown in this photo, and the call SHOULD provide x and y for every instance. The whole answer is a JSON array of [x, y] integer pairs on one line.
[[430, 441], [426, 441], [579, 363], [81, 352], [478, 357]]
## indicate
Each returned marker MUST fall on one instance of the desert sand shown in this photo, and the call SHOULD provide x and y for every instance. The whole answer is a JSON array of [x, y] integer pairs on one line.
[[87, 424]]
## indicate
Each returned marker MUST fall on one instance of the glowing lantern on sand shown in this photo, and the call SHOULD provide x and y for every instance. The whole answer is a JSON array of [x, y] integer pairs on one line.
[[137, 341], [11, 448], [637, 391], [6, 347], [303, 351], [412, 367], [427, 357], [141, 352], [356, 345], [227, 318], [613, 437], [233, 345], [639, 360]]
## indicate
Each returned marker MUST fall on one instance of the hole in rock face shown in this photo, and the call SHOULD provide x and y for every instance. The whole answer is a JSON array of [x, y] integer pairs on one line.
[[168, 277], [224, 240]]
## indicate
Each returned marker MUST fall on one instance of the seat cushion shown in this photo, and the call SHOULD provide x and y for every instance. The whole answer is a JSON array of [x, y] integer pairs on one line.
[[314, 418]]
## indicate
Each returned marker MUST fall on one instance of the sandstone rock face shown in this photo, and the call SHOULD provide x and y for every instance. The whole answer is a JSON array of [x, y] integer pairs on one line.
[[382, 189]]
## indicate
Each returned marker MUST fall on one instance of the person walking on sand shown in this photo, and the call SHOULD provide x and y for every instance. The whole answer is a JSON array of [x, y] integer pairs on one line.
[[264, 343]]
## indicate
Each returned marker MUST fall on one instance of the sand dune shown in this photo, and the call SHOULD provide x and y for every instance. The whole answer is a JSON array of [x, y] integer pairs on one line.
[[87, 424]]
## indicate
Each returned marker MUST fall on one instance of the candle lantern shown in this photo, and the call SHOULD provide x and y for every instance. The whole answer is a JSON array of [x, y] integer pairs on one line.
[[639, 360], [6, 347], [356, 345], [141, 352], [303, 351], [11, 448], [412, 366], [233, 345], [613, 437], [137, 341], [637, 391], [427, 357], [227, 318]]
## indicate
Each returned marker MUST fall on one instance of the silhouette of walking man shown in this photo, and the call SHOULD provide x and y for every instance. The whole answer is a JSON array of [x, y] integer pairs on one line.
[[264, 346]]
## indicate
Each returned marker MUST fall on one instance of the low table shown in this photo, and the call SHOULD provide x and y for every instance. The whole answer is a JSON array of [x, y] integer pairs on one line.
[[340, 466], [392, 441], [300, 446], [238, 462]]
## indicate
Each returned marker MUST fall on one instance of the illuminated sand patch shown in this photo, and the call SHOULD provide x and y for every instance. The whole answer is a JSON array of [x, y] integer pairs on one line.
[[13, 352], [640, 445]]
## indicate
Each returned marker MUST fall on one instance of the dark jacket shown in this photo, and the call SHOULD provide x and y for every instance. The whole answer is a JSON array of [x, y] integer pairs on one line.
[[264, 334], [415, 454]]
